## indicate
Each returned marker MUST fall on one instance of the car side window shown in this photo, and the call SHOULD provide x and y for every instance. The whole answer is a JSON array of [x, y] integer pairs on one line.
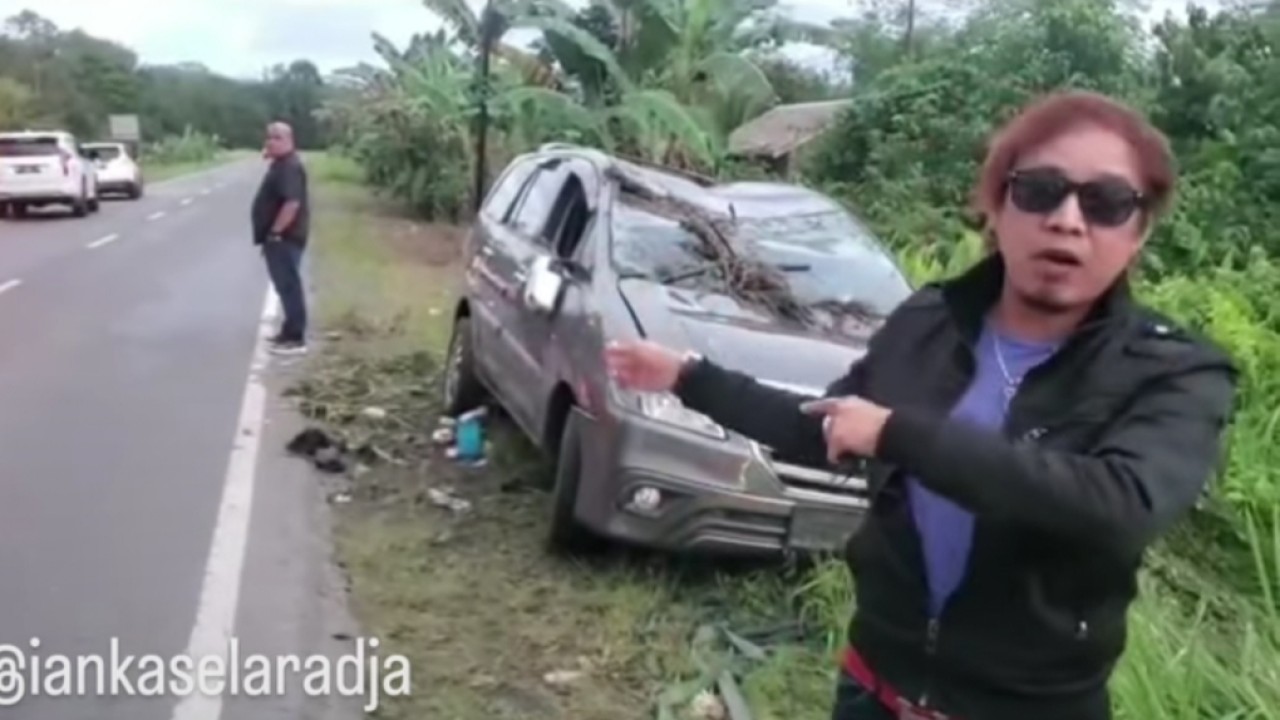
[[509, 185], [530, 217]]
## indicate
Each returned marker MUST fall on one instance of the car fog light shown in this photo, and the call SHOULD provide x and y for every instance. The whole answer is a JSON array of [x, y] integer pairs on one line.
[[646, 499]]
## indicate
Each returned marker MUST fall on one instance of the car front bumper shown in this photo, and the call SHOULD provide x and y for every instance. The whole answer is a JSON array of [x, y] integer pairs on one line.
[[717, 496]]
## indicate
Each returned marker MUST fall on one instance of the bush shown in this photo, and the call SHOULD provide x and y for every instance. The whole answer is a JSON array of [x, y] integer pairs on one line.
[[189, 147]]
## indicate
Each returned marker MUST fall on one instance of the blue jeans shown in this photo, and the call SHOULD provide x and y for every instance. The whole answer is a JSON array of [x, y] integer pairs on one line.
[[854, 702], [284, 265]]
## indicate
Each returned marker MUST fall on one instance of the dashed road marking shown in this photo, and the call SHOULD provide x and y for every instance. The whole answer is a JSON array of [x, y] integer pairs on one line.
[[205, 191], [103, 241], [156, 215], [9, 285], [186, 201]]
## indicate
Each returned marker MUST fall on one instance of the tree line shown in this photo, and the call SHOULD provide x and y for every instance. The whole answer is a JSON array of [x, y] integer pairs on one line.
[[68, 79]]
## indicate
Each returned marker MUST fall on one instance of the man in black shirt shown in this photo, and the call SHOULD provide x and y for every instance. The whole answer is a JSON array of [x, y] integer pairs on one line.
[[281, 222]]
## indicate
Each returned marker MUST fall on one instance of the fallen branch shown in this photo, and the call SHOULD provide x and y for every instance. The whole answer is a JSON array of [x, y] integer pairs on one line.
[[747, 277]]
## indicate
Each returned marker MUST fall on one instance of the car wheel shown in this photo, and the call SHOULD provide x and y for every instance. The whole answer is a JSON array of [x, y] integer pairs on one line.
[[19, 210], [80, 206], [135, 191], [462, 388], [566, 534], [94, 204]]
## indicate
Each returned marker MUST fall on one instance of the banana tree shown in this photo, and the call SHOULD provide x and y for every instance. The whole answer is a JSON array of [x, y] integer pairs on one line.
[[695, 51]]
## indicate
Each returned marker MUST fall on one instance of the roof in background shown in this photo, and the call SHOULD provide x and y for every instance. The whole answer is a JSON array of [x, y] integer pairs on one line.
[[784, 128]]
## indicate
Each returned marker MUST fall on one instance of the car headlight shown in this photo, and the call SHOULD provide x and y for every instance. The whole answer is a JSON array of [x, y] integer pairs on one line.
[[665, 407]]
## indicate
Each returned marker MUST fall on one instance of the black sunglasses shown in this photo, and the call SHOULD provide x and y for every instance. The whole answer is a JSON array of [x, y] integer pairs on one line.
[[1105, 202]]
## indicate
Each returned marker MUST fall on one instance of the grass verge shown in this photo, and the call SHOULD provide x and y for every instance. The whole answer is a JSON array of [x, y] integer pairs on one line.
[[496, 628]]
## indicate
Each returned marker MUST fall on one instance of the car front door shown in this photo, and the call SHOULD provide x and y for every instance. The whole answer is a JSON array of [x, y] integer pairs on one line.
[[515, 243], [487, 274], [544, 337]]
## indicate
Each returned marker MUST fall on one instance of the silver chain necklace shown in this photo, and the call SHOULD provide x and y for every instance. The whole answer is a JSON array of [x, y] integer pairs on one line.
[[1010, 382]]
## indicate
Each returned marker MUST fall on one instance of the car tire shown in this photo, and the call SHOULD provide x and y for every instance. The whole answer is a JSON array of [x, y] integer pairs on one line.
[[19, 210], [135, 191], [461, 386], [80, 206], [565, 535], [94, 204]]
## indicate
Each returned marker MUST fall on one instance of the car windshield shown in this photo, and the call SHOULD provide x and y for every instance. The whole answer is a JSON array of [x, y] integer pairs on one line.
[[28, 146], [828, 258]]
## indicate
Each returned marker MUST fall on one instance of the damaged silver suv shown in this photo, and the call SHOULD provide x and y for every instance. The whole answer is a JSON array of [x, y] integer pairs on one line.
[[574, 248]]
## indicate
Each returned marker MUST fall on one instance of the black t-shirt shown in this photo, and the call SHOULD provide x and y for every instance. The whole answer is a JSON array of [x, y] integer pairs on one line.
[[285, 180]]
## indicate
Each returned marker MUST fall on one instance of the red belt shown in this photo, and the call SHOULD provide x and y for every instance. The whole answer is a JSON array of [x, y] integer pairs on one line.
[[902, 708]]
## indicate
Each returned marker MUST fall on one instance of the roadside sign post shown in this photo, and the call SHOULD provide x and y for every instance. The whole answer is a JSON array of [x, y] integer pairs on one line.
[[125, 129]]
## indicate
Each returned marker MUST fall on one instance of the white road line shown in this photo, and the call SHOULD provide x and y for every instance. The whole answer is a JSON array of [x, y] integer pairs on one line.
[[156, 215], [205, 191], [103, 241], [9, 285], [186, 201], [220, 591]]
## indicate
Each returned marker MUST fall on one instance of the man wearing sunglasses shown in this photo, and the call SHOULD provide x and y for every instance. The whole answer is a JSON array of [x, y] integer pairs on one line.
[[1028, 429]]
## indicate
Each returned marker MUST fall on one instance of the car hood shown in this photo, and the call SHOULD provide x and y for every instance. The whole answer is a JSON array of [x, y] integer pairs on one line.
[[739, 337]]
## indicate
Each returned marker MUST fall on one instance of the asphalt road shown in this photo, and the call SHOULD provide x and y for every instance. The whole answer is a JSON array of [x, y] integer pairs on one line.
[[144, 493]]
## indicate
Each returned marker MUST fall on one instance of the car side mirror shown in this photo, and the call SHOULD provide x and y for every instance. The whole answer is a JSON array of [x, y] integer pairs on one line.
[[544, 285]]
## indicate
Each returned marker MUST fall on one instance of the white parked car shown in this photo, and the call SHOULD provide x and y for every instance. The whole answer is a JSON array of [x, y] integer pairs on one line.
[[39, 168], [118, 172]]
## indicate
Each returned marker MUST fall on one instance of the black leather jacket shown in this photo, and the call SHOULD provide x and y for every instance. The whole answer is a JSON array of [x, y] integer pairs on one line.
[[1105, 446]]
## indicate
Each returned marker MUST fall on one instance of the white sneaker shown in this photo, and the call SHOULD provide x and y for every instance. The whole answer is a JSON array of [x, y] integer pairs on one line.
[[292, 347]]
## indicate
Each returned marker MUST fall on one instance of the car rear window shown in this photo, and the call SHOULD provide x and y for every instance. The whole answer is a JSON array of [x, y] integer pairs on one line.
[[103, 152], [28, 147]]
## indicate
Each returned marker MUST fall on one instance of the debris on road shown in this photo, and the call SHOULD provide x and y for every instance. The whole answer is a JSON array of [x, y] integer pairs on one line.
[[445, 498], [560, 679], [707, 705]]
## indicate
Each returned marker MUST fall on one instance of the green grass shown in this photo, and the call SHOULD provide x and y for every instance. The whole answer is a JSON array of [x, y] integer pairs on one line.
[[159, 171], [484, 613]]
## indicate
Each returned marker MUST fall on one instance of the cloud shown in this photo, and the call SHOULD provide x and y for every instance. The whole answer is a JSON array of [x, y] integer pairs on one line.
[[243, 37], [239, 37]]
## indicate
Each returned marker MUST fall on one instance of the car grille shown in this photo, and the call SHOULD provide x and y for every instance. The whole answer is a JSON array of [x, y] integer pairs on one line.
[[817, 480], [820, 480]]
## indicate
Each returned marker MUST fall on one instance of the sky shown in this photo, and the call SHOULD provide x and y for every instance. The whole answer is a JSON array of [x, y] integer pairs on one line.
[[243, 37]]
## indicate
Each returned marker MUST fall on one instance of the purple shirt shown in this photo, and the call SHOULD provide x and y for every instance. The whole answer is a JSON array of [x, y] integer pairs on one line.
[[946, 530]]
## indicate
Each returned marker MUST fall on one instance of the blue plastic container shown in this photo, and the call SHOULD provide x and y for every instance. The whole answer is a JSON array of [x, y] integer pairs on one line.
[[469, 436]]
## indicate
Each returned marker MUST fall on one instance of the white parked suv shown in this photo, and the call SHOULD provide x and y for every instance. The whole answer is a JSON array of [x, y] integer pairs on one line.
[[117, 170], [39, 168]]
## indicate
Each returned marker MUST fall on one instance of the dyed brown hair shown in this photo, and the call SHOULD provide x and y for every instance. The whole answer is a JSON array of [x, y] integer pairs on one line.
[[1059, 112]]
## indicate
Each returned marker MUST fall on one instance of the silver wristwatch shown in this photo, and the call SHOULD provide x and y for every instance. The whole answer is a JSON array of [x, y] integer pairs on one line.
[[687, 362]]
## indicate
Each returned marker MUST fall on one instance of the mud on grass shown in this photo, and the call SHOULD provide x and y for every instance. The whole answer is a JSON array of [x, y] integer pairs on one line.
[[495, 626]]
